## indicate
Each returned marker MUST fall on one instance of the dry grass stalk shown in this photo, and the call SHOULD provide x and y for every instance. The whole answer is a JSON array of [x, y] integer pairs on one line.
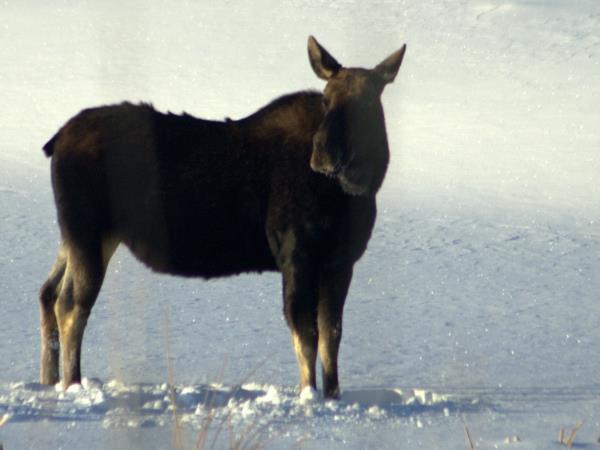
[[571, 437], [204, 428], [220, 427], [177, 438], [469, 440], [209, 403], [251, 438], [300, 443]]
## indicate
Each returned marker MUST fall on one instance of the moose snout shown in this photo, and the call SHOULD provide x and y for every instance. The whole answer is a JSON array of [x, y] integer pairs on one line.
[[321, 159]]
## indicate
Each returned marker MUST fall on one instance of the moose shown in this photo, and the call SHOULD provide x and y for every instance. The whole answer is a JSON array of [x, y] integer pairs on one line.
[[290, 188]]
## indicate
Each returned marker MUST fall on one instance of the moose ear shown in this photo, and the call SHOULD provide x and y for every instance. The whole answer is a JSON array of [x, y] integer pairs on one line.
[[388, 68], [324, 65]]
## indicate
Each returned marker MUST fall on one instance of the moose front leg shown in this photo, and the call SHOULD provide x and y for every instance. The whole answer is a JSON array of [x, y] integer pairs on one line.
[[333, 288], [300, 309]]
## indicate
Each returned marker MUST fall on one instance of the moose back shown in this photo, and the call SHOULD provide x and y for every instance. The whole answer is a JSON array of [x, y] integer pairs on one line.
[[291, 188]]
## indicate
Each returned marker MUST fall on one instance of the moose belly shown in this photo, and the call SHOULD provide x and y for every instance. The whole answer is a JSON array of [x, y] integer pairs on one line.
[[221, 250], [200, 243]]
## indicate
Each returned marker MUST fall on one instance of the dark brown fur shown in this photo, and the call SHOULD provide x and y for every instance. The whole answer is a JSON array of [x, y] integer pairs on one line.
[[290, 188]]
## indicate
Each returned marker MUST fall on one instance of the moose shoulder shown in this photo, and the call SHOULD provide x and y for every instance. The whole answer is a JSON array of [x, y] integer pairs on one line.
[[290, 188]]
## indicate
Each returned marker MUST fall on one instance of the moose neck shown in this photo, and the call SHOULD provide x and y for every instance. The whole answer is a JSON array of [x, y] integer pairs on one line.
[[297, 117], [294, 117]]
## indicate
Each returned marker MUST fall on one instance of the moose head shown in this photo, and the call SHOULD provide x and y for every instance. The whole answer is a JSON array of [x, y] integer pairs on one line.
[[351, 143]]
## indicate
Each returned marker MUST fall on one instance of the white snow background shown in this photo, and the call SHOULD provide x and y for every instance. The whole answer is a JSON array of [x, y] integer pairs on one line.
[[477, 301]]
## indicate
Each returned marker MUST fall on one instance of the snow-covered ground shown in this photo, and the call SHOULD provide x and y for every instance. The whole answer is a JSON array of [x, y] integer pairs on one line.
[[477, 302]]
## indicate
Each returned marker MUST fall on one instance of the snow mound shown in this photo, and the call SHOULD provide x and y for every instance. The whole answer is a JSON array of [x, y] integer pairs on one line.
[[117, 404]]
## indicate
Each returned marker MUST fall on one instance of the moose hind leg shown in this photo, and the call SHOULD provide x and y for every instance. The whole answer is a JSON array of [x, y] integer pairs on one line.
[[333, 288], [300, 295], [81, 284], [50, 348]]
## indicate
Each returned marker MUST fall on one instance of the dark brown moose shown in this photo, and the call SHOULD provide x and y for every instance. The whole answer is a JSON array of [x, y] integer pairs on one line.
[[290, 188]]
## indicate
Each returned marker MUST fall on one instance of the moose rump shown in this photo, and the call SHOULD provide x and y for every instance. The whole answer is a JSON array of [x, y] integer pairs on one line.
[[193, 197]]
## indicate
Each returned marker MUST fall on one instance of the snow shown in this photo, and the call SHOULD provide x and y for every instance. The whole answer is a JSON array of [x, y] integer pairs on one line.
[[117, 405], [477, 300]]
